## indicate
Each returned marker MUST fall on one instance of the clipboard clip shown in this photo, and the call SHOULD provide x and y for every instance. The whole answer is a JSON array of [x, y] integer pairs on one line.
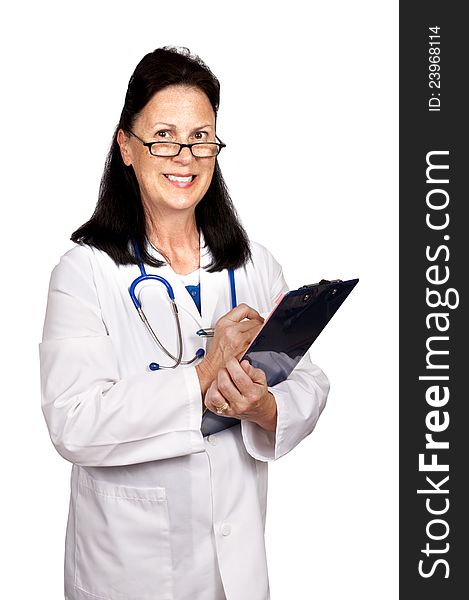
[[322, 282]]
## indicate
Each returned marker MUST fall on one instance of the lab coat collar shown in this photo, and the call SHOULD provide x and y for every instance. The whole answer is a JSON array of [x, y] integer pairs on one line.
[[214, 287]]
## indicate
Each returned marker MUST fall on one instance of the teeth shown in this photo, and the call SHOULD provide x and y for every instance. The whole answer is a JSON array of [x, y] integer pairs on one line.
[[180, 179]]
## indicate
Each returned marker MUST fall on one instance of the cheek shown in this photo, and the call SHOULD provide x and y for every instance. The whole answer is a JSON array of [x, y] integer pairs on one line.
[[207, 175], [146, 173]]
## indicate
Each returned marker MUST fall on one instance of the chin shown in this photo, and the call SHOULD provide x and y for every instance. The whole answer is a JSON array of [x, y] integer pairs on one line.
[[182, 203]]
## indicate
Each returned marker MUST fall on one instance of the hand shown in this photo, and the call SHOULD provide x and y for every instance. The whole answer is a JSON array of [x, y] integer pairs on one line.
[[233, 334], [244, 389]]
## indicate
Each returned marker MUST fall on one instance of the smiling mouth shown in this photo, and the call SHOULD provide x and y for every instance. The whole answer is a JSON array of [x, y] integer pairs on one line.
[[181, 178]]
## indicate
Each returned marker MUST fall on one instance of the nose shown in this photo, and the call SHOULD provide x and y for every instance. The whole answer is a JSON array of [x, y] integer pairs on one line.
[[184, 157]]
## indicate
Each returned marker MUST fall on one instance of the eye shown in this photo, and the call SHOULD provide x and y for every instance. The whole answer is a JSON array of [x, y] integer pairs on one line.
[[163, 134], [200, 135]]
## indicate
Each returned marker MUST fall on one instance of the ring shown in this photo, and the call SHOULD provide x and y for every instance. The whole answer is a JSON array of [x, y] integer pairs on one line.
[[221, 409]]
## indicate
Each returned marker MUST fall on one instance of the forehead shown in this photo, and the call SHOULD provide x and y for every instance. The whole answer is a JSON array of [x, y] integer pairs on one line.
[[185, 107]]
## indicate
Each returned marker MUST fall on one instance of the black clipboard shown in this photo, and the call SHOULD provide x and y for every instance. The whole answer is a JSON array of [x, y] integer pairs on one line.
[[296, 321], [292, 327]]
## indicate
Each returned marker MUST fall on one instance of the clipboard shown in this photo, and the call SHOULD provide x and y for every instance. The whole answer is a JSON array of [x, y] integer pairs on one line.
[[296, 321]]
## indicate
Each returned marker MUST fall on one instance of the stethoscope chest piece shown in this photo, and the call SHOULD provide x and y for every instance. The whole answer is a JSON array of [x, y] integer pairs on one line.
[[153, 366]]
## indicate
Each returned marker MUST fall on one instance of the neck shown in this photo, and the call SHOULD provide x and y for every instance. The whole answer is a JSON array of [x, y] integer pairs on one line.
[[176, 238]]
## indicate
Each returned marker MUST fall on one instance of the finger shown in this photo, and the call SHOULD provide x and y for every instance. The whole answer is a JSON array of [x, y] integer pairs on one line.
[[248, 325], [243, 311], [256, 375], [244, 332], [239, 376], [235, 342], [227, 388], [214, 399], [233, 338]]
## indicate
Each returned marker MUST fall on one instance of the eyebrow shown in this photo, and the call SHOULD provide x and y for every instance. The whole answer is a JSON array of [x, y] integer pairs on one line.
[[165, 124], [175, 126]]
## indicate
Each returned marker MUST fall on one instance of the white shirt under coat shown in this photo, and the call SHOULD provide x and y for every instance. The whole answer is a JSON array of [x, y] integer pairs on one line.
[[158, 512]]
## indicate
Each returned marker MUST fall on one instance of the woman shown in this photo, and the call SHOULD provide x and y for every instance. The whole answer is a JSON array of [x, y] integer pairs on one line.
[[158, 510]]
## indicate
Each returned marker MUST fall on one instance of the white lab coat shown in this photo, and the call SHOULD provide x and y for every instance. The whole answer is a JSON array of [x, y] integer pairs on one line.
[[158, 512]]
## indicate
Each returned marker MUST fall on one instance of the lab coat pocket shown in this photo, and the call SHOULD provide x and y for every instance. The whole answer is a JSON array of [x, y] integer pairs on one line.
[[123, 547]]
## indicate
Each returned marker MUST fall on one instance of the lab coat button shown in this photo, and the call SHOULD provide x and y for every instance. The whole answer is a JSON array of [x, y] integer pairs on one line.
[[212, 439], [226, 529]]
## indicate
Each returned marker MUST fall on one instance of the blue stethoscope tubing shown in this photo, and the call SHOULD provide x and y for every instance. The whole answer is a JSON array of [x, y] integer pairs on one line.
[[144, 276]]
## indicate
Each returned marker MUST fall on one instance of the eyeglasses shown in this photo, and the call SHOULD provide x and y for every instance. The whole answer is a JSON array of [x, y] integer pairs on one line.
[[171, 149]]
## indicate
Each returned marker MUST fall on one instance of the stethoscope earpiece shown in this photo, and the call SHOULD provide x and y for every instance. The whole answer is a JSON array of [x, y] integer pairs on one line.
[[154, 367]]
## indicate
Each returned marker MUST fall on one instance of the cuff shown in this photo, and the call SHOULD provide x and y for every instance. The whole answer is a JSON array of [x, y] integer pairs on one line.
[[261, 444]]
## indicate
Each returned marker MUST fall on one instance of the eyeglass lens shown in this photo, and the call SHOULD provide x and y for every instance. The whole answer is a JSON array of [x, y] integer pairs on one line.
[[199, 150]]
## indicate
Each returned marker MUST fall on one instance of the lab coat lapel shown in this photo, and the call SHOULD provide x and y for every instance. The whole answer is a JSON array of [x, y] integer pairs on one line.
[[182, 296], [214, 289]]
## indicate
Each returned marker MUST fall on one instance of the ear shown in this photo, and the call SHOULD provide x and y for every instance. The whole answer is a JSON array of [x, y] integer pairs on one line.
[[123, 141]]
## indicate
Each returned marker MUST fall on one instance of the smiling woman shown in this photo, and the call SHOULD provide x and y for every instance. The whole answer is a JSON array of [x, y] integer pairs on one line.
[[170, 185], [159, 510], [172, 96]]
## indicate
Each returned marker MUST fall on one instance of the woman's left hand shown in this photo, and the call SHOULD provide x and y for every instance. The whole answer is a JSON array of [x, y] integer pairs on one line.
[[244, 389]]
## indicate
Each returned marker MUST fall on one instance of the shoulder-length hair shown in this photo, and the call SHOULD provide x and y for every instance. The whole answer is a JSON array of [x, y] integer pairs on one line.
[[119, 215]]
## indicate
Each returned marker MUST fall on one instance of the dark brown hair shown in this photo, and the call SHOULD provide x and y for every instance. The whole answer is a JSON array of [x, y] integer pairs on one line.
[[119, 215]]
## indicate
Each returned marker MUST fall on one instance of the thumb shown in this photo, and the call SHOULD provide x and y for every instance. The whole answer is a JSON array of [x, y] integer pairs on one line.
[[257, 375], [243, 311]]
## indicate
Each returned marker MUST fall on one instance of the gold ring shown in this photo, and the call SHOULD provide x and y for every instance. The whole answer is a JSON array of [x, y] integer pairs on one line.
[[221, 409]]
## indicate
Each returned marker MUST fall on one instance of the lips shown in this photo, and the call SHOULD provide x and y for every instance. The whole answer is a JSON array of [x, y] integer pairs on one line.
[[180, 180]]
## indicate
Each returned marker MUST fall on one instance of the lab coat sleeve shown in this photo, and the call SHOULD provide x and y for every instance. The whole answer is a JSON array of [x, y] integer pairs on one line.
[[96, 417], [300, 398]]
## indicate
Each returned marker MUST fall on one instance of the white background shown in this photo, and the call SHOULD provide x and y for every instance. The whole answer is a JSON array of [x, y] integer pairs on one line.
[[321, 73]]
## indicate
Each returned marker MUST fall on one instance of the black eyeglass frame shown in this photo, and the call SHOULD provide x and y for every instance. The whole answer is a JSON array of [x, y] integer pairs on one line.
[[220, 145]]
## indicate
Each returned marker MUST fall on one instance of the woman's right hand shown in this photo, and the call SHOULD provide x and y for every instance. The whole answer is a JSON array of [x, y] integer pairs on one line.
[[233, 334]]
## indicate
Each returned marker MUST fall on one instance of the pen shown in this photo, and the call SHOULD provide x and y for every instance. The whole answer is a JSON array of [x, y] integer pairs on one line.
[[206, 332]]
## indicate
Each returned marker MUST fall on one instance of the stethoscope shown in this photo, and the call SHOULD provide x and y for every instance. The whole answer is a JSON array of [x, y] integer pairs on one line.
[[144, 276]]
